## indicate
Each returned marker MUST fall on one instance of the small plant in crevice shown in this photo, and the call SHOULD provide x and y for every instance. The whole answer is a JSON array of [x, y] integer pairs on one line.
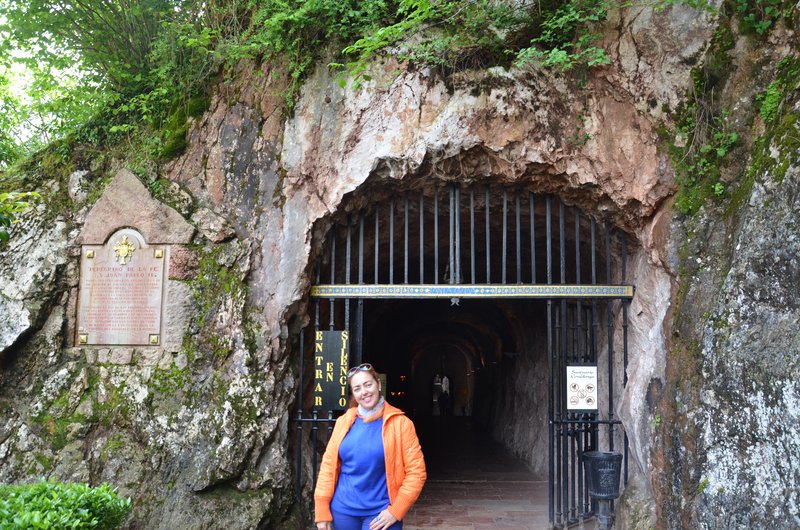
[[758, 16], [788, 71], [778, 147], [708, 144]]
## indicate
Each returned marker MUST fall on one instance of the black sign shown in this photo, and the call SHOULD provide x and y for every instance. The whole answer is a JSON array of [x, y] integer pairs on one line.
[[331, 353]]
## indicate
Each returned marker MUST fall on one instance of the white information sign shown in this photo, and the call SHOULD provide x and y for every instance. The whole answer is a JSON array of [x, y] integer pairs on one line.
[[582, 388]]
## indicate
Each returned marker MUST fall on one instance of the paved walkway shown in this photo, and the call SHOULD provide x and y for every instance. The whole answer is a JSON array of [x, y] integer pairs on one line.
[[474, 483]]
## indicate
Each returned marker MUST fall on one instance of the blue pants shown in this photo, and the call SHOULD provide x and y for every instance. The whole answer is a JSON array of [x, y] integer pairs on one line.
[[358, 522]]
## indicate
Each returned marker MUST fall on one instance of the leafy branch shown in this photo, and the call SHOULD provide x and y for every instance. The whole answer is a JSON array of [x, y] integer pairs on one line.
[[11, 206]]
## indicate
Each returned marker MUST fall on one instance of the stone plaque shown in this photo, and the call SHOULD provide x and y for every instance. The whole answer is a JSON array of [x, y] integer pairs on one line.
[[121, 291]]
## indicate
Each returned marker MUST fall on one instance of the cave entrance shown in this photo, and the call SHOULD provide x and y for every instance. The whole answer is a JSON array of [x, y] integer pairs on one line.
[[503, 292]]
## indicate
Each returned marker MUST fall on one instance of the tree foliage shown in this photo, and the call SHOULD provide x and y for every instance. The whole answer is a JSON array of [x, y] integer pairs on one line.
[[104, 71], [11, 206]]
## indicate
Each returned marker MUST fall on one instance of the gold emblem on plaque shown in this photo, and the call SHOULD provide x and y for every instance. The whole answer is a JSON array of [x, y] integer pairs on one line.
[[158, 253], [90, 254], [154, 339], [83, 338], [123, 250]]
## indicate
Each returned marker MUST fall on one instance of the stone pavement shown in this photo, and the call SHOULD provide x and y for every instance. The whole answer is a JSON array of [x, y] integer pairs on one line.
[[474, 483]]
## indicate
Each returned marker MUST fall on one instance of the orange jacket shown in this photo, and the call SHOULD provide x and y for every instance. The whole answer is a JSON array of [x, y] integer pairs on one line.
[[405, 465]]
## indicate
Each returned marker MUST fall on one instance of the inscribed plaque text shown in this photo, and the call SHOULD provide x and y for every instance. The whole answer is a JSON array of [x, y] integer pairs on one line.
[[121, 292]]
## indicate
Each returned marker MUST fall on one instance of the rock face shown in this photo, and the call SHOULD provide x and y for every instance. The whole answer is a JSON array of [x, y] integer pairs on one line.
[[198, 430], [751, 338]]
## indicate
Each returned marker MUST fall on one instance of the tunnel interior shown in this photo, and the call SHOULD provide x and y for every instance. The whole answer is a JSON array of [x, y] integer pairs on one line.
[[483, 348]]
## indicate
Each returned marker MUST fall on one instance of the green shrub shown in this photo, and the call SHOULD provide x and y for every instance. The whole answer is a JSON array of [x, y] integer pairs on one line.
[[54, 505]]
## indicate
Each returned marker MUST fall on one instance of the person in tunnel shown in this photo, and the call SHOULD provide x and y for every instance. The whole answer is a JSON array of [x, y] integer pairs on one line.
[[373, 469]]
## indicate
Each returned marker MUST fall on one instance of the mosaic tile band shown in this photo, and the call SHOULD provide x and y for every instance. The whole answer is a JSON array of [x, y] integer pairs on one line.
[[472, 291]]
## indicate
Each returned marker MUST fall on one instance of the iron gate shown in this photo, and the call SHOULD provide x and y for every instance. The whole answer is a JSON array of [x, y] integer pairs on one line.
[[526, 254]]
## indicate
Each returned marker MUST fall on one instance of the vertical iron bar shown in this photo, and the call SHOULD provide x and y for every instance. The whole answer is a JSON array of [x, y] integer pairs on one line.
[[624, 243], [624, 258], [391, 241], [377, 242], [472, 235], [314, 443], [348, 261], [421, 237], [505, 234], [358, 335], [488, 241], [562, 250], [299, 456], [331, 304], [519, 237], [317, 302], [436, 234], [593, 335], [593, 438], [361, 247], [458, 234], [561, 424], [551, 486], [405, 237], [579, 442], [347, 253], [452, 236], [578, 313], [610, 341], [533, 238]]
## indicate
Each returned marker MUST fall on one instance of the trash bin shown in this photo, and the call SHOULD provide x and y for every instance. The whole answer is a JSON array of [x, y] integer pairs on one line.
[[603, 469]]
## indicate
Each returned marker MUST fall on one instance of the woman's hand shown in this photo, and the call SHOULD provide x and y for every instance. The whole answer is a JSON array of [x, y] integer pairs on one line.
[[325, 525], [385, 519]]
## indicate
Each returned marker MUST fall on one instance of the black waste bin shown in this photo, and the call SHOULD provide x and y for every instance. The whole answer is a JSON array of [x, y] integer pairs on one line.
[[603, 469]]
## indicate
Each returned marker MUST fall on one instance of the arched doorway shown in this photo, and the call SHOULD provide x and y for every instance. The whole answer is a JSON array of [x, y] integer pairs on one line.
[[501, 291]]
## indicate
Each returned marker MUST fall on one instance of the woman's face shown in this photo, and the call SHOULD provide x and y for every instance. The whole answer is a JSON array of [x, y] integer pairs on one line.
[[366, 389]]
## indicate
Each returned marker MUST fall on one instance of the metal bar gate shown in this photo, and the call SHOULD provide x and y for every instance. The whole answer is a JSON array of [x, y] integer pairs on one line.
[[562, 263]]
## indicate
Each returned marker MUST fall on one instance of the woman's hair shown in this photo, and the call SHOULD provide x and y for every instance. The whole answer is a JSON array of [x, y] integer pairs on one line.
[[361, 368]]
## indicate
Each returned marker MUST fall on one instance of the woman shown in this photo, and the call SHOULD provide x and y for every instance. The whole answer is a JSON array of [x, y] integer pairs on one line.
[[373, 469]]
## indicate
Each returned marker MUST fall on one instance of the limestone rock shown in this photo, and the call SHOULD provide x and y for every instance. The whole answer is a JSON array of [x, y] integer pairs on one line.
[[29, 269], [126, 202], [213, 226]]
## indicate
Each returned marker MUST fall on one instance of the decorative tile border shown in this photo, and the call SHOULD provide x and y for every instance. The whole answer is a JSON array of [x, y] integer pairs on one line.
[[472, 291]]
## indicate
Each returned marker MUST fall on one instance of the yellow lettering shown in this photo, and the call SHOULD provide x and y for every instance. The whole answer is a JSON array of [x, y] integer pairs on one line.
[[317, 401], [318, 388], [343, 391], [317, 374], [343, 381], [344, 336], [318, 359], [318, 347], [329, 367], [329, 376], [342, 402], [319, 335]]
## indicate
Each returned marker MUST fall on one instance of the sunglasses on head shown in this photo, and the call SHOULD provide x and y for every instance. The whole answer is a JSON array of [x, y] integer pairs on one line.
[[364, 367]]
